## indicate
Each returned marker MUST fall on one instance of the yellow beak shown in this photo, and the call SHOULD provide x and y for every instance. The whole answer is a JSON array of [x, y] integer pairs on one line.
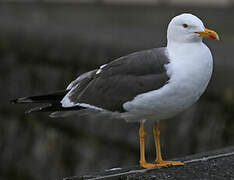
[[209, 34]]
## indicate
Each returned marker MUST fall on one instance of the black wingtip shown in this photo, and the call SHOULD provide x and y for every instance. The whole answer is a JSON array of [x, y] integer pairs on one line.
[[21, 100], [13, 101], [44, 108]]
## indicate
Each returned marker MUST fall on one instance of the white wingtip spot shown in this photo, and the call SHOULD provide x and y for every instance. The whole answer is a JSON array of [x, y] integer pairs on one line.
[[100, 69], [89, 106], [66, 102]]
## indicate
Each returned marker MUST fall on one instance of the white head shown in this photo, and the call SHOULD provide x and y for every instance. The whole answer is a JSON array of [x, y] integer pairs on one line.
[[187, 28]]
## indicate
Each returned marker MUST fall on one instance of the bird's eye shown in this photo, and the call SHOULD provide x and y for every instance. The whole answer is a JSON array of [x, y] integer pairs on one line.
[[185, 25]]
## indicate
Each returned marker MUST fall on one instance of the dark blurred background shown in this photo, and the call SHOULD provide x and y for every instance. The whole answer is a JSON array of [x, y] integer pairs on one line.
[[46, 44]]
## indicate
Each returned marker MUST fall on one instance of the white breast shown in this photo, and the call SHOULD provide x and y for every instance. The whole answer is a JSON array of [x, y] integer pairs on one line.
[[190, 73]]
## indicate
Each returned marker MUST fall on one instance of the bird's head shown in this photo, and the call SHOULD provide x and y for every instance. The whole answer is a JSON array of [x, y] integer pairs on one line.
[[186, 28]]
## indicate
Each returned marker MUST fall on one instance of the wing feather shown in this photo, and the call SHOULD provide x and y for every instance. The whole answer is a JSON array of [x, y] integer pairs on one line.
[[123, 79]]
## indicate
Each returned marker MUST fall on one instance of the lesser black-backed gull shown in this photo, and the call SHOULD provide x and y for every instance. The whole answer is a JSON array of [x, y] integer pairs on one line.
[[149, 85]]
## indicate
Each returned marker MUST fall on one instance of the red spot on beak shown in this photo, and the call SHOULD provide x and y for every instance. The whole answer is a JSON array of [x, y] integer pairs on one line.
[[212, 37]]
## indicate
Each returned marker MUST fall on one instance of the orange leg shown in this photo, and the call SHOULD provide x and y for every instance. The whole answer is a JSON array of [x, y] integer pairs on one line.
[[159, 160], [143, 162]]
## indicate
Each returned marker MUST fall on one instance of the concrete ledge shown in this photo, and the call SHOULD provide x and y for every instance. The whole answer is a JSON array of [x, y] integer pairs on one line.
[[218, 164]]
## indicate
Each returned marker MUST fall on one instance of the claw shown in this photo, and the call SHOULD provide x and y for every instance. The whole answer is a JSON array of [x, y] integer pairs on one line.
[[148, 165], [161, 164], [169, 163]]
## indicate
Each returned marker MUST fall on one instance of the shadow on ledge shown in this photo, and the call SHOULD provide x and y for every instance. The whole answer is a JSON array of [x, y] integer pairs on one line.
[[218, 164]]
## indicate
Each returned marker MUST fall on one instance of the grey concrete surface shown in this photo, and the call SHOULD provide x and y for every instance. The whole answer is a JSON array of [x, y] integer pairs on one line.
[[215, 165]]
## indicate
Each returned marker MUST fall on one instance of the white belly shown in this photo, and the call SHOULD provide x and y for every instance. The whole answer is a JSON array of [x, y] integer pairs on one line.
[[189, 79]]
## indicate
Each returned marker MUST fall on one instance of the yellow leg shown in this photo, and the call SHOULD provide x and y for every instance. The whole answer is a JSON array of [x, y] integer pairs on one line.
[[143, 162], [159, 160]]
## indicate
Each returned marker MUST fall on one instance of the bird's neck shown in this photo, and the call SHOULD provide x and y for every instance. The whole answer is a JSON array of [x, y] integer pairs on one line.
[[184, 49]]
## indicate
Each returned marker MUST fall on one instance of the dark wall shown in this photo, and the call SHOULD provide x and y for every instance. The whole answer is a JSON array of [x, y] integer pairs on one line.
[[45, 46]]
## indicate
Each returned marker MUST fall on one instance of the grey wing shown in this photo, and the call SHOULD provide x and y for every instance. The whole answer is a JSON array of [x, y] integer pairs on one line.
[[82, 80], [123, 79]]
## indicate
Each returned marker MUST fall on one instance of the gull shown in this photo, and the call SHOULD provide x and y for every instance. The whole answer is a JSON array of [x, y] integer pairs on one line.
[[145, 86]]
